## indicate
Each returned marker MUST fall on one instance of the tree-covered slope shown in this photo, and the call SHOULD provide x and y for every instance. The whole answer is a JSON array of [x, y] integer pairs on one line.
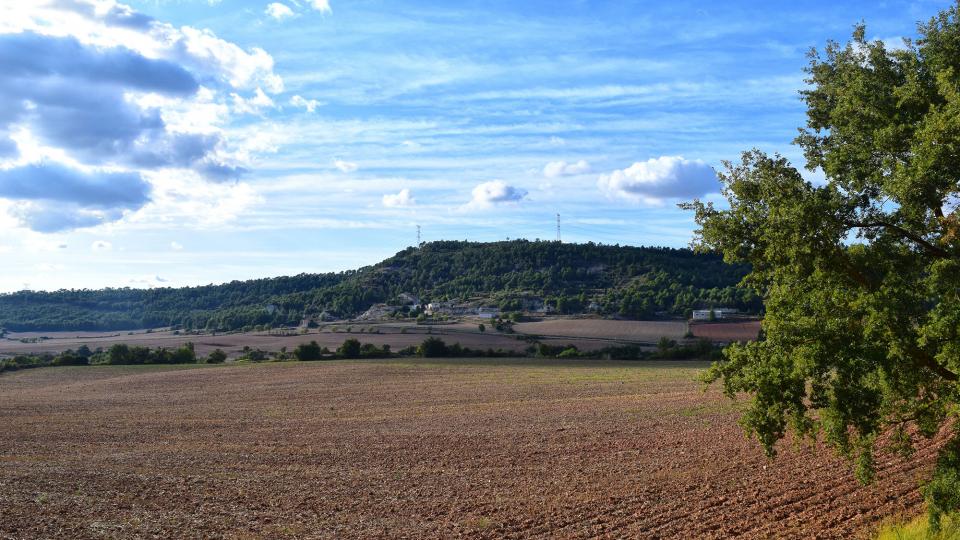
[[628, 281]]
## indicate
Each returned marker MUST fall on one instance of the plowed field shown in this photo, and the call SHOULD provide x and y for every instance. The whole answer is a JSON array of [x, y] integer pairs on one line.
[[393, 449]]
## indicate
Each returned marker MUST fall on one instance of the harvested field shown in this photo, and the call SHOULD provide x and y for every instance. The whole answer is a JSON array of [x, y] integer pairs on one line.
[[387, 449], [232, 344], [727, 331], [628, 331]]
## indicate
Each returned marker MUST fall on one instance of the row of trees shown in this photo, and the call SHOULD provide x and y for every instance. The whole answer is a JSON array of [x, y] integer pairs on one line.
[[431, 347]]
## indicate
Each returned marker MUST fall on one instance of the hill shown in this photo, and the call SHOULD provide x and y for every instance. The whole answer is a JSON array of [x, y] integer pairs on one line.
[[634, 282]]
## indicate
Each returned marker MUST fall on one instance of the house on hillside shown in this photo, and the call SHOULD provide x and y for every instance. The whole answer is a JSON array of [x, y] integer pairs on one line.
[[488, 312], [439, 307]]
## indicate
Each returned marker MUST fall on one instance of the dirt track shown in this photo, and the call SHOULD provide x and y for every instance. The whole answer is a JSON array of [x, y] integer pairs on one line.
[[409, 449]]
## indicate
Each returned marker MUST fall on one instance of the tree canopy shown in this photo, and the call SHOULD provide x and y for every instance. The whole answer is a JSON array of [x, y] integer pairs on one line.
[[860, 273]]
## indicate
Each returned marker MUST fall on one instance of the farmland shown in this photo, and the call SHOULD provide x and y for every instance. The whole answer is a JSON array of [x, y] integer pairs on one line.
[[368, 449], [586, 334]]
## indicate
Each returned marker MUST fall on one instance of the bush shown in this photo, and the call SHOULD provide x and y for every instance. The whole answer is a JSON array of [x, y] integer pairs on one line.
[[217, 356], [432, 348], [308, 351], [349, 349]]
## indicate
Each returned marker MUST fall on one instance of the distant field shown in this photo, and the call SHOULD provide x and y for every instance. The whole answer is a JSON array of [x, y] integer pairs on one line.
[[387, 449], [648, 331], [586, 334], [234, 343], [727, 331]]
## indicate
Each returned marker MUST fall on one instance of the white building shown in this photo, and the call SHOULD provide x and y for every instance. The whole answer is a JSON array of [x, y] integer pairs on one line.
[[488, 312], [717, 313]]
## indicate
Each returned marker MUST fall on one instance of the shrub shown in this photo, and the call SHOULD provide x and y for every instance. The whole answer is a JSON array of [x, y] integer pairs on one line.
[[217, 356], [432, 347], [349, 349], [308, 351]]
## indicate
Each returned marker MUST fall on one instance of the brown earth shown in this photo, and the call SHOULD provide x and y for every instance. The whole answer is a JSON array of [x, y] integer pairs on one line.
[[394, 449], [727, 331], [647, 331]]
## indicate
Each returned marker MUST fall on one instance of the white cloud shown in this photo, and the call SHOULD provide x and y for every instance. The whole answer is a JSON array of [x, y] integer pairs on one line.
[[309, 104], [252, 105], [323, 6], [345, 166], [239, 68], [556, 169], [657, 179], [279, 11], [176, 246], [495, 192], [108, 95], [399, 200], [101, 245]]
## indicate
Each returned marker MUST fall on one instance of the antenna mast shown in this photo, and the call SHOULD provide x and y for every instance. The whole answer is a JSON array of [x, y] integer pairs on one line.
[[558, 227], [418, 236]]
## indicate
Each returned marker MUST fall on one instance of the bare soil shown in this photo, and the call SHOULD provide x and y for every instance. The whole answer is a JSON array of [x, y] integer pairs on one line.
[[727, 331], [629, 331], [394, 449]]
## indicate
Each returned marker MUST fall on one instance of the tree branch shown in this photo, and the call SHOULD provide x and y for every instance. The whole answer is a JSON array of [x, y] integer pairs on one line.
[[924, 359], [930, 248]]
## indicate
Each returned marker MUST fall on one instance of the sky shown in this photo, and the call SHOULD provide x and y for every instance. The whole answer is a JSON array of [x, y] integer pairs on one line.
[[165, 143]]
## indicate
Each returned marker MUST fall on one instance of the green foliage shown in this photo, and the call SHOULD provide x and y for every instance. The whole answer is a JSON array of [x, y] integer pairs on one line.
[[217, 356], [308, 351], [123, 354], [349, 349], [860, 276], [629, 281], [432, 348]]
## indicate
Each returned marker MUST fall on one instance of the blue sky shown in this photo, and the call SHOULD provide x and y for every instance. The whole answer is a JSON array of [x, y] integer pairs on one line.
[[156, 143]]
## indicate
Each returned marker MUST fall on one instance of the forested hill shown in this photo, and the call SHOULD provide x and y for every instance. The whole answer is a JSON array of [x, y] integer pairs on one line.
[[633, 282]]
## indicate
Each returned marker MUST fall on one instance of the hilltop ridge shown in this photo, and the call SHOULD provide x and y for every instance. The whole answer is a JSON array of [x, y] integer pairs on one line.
[[626, 281]]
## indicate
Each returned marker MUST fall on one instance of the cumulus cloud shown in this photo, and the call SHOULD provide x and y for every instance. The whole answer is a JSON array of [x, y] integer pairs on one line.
[[555, 169], [323, 6], [658, 179], [399, 200], [176, 246], [495, 192], [345, 166], [309, 104], [92, 85], [279, 11]]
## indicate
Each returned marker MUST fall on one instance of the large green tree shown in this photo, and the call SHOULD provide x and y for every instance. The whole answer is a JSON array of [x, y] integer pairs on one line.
[[860, 274]]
